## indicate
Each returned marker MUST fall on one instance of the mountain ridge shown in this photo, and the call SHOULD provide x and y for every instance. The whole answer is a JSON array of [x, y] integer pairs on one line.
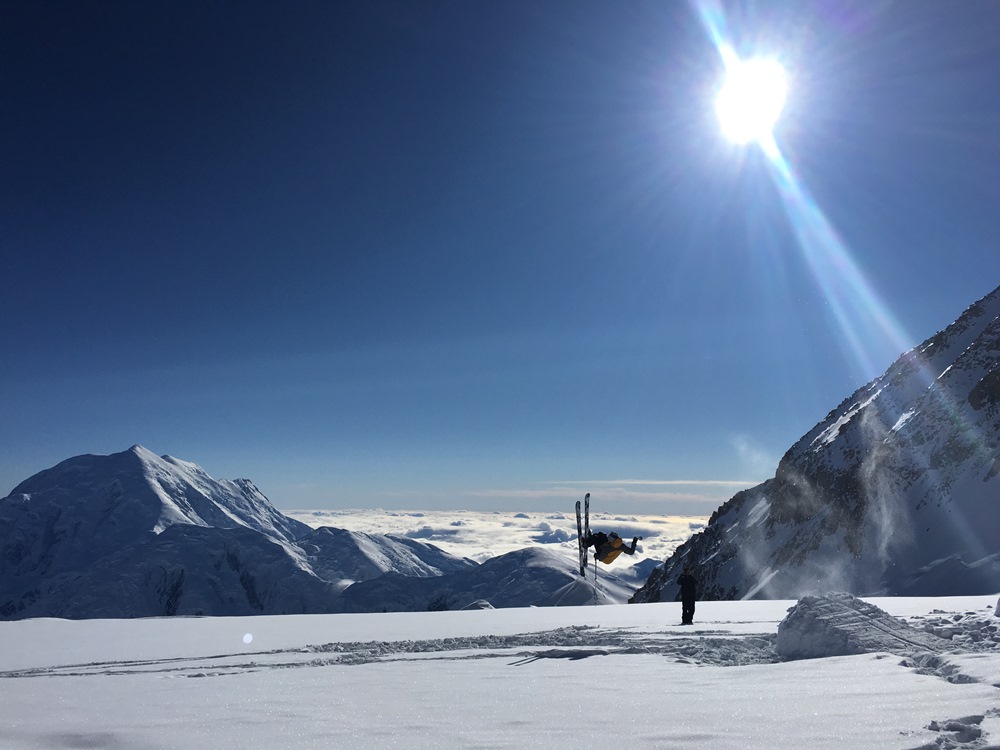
[[897, 479], [138, 535], [134, 534]]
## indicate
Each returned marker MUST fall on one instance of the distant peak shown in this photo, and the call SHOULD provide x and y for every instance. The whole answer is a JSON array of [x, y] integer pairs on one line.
[[141, 452]]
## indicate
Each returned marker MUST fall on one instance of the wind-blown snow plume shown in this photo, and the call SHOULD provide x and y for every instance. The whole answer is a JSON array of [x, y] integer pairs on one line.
[[887, 519]]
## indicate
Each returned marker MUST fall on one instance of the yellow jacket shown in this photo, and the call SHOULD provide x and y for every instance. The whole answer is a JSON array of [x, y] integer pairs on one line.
[[611, 550]]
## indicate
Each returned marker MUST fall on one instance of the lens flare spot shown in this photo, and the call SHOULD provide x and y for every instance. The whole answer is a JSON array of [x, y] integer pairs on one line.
[[751, 99], [248, 638]]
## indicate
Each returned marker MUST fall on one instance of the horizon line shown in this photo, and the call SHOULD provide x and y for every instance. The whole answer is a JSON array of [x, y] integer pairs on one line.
[[668, 482]]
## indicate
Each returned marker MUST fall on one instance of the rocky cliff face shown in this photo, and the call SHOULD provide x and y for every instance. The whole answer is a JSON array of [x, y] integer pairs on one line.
[[896, 491]]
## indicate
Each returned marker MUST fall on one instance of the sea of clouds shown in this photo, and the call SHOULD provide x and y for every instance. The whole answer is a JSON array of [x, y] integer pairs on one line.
[[480, 535]]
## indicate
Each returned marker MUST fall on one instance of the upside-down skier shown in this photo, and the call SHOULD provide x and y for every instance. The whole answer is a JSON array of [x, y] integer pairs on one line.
[[607, 547]]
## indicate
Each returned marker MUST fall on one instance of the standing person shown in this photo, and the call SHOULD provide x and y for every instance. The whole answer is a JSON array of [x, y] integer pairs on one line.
[[689, 585]]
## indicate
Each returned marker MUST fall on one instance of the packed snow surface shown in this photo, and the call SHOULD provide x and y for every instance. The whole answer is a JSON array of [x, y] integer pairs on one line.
[[507, 678]]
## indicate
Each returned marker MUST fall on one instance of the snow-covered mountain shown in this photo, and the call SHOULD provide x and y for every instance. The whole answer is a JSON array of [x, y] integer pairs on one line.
[[530, 577], [133, 534], [187, 570], [896, 491], [349, 556]]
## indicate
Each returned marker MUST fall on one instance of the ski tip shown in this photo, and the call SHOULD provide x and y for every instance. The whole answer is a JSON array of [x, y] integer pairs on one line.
[[585, 497]]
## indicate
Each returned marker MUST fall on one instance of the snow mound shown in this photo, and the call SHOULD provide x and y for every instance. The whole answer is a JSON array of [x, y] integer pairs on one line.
[[577, 593], [840, 624], [479, 604]]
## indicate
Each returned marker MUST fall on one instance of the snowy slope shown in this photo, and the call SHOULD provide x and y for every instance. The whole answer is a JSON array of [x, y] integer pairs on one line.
[[895, 491], [340, 555], [133, 534], [189, 570], [528, 577]]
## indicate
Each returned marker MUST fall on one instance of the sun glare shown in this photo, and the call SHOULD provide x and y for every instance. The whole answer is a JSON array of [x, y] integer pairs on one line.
[[751, 99], [748, 105]]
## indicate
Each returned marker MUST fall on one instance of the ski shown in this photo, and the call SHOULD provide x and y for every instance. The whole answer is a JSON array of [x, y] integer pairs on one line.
[[579, 540]]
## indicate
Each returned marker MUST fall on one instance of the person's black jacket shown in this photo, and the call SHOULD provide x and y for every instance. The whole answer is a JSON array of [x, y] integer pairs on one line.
[[688, 584]]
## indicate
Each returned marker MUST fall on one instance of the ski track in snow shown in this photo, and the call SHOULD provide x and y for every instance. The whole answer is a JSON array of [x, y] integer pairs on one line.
[[707, 647], [970, 632]]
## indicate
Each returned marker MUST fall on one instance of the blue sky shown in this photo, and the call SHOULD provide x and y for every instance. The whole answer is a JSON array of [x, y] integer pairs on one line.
[[473, 255]]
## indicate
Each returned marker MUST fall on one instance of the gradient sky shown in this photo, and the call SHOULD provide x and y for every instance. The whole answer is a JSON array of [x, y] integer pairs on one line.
[[476, 254]]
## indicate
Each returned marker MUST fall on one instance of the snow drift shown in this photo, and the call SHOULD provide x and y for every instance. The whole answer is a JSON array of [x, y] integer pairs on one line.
[[841, 625]]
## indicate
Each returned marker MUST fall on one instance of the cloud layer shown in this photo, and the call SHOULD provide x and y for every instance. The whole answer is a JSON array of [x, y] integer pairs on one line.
[[480, 535]]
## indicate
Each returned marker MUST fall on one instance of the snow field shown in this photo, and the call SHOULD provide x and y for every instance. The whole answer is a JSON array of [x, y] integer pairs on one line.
[[518, 678]]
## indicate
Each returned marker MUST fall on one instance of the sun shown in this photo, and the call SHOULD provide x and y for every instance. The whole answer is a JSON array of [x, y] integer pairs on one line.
[[751, 98]]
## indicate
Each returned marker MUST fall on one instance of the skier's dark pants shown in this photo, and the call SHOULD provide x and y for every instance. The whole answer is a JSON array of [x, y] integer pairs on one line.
[[687, 611]]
